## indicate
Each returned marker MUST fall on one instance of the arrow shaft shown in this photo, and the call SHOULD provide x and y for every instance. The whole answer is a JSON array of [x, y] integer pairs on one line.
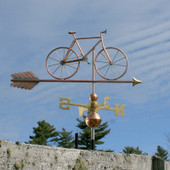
[[71, 81]]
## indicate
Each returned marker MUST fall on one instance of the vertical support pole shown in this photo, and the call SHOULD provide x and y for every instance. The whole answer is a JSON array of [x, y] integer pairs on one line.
[[93, 91], [76, 140], [93, 72], [92, 138]]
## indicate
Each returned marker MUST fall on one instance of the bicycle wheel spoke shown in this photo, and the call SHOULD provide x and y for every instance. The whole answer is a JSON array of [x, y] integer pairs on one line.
[[115, 55], [102, 62], [67, 70], [72, 58], [117, 69], [70, 54], [112, 72], [56, 69], [119, 59], [58, 55], [54, 59], [64, 52], [61, 72], [122, 65], [107, 70], [104, 56], [71, 66], [51, 65], [109, 53], [103, 67]]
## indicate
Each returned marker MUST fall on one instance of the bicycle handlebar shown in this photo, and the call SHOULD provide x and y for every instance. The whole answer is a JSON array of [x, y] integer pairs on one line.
[[104, 32]]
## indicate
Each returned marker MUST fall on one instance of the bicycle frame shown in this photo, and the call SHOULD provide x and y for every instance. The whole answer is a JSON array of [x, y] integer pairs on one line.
[[64, 62], [84, 56]]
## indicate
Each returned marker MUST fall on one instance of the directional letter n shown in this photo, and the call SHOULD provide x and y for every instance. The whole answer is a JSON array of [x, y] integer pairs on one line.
[[119, 110]]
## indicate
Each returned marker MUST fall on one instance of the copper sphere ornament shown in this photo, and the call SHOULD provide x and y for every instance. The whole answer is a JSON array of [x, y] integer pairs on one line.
[[93, 97], [93, 120]]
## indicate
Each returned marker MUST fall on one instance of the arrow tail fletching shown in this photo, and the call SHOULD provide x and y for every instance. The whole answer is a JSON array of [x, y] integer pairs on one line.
[[24, 75], [27, 86]]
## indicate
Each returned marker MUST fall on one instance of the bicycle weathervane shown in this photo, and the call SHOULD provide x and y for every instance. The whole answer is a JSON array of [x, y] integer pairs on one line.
[[62, 63]]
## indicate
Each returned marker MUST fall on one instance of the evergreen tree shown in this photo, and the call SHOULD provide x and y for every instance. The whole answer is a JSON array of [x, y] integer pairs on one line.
[[43, 133], [162, 153], [65, 139], [132, 150], [85, 134]]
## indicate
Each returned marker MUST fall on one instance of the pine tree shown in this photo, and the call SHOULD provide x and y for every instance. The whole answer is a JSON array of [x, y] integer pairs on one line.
[[65, 139], [162, 153], [132, 150], [85, 134], [43, 133]]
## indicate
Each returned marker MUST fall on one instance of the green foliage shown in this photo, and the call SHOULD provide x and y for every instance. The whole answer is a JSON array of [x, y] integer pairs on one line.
[[107, 150], [43, 133], [85, 134], [132, 150], [65, 139], [162, 153]]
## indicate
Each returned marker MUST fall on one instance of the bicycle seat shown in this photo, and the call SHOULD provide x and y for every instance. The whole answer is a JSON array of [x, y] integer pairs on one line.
[[71, 32]]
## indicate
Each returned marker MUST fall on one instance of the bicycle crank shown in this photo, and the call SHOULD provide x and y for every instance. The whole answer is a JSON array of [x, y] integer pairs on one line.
[[85, 58]]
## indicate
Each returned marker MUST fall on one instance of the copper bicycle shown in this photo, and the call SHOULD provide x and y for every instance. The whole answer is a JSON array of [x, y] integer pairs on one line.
[[110, 63]]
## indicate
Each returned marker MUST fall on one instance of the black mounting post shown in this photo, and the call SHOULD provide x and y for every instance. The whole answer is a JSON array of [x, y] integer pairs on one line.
[[76, 140]]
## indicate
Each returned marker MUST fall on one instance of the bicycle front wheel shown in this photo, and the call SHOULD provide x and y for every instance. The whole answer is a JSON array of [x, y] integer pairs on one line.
[[114, 70], [56, 66]]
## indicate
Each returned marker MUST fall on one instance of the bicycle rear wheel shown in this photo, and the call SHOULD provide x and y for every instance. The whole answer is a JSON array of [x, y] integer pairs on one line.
[[112, 71], [57, 68]]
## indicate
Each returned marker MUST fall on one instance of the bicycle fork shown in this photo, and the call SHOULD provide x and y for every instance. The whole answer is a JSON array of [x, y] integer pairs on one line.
[[107, 55]]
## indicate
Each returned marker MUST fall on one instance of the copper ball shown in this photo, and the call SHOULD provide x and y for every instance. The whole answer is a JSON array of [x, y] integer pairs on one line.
[[93, 120], [93, 97]]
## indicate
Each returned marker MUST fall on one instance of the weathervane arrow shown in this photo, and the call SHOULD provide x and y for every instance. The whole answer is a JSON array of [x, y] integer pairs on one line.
[[28, 80]]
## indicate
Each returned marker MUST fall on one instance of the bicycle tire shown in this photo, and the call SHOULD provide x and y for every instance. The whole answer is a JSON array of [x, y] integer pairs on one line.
[[58, 69], [112, 71]]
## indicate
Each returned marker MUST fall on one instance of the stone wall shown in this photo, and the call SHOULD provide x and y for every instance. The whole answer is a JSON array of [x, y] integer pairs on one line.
[[17, 156]]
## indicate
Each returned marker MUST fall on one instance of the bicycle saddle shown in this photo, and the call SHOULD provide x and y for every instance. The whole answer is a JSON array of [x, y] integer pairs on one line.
[[71, 32]]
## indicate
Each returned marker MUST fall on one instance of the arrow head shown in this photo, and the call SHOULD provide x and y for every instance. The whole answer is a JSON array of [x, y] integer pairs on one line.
[[136, 81]]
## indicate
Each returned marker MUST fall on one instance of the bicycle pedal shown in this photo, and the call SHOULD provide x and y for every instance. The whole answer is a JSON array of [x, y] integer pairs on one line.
[[86, 60]]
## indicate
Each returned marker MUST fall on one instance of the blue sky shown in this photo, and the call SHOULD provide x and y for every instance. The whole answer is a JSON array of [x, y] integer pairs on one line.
[[29, 30]]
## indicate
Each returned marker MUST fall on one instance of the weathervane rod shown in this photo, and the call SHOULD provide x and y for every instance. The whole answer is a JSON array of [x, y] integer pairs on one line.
[[93, 72], [93, 92]]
